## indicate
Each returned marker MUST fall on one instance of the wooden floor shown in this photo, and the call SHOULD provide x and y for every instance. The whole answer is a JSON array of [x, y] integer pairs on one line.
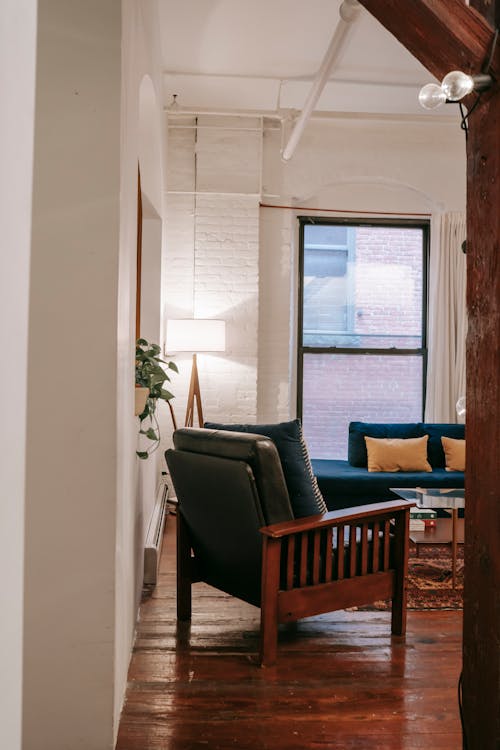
[[341, 681]]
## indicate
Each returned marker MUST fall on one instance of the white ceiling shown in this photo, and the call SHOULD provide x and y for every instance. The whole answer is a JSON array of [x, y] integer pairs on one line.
[[262, 55]]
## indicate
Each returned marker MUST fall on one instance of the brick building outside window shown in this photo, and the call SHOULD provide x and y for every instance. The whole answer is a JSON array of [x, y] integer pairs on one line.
[[362, 327]]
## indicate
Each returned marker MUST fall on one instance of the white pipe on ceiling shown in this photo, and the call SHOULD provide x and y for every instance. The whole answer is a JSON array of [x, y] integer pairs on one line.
[[348, 12]]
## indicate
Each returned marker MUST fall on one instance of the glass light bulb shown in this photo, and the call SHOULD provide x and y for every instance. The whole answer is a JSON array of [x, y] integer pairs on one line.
[[431, 96], [461, 408], [456, 85]]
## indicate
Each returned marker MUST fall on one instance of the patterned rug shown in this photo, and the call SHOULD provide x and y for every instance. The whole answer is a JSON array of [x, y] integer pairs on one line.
[[429, 580]]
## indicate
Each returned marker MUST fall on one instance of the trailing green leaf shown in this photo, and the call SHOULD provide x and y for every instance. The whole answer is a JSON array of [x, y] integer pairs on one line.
[[150, 374]]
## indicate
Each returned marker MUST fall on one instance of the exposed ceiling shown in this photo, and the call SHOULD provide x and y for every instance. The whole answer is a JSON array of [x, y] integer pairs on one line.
[[263, 55]]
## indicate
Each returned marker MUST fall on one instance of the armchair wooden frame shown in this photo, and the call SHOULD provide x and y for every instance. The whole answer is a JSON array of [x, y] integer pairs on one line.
[[303, 574]]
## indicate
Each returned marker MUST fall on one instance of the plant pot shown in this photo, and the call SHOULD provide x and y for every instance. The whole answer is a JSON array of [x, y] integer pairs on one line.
[[141, 396]]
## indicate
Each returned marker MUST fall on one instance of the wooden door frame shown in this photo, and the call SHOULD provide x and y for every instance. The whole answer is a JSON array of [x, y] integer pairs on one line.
[[138, 282], [445, 35]]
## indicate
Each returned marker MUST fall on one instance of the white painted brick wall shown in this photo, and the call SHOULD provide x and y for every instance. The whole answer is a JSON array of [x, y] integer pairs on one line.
[[355, 164], [245, 266], [226, 286], [180, 257], [213, 261], [229, 158], [276, 393]]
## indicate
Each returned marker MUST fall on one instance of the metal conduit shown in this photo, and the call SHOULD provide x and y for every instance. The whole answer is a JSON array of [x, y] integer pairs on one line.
[[348, 12]]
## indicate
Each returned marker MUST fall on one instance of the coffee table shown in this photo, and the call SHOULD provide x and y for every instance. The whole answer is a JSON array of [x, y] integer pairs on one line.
[[449, 531]]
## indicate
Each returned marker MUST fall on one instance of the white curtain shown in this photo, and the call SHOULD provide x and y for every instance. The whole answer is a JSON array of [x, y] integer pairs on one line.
[[447, 327]]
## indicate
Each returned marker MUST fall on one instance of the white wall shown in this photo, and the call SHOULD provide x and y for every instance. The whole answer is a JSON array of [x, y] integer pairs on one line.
[[359, 164], [141, 140], [213, 184], [84, 520], [150, 130], [151, 309], [71, 424], [69, 435], [151, 278], [17, 84]]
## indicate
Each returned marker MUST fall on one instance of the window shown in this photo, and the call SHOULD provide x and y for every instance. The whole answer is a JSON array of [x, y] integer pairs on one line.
[[362, 345]]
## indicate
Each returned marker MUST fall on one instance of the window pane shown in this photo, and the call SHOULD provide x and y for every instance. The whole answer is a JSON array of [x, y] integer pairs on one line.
[[340, 388], [327, 235], [363, 286]]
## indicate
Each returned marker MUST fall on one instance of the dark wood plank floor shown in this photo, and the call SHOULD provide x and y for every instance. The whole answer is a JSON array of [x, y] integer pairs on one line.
[[341, 681]]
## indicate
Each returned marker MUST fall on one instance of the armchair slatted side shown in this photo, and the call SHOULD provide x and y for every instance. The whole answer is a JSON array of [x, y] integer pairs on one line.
[[333, 561]]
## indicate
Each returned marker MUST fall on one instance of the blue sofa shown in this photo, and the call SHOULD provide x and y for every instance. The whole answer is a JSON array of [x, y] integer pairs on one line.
[[345, 484]]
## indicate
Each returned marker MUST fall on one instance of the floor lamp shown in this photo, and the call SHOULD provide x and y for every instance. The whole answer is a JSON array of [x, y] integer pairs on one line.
[[195, 335]]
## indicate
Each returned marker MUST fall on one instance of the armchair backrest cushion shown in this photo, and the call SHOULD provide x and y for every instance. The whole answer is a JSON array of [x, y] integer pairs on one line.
[[255, 450], [305, 496]]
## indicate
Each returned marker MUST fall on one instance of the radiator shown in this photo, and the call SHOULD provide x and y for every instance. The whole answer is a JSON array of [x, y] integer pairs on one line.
[[154, 537]]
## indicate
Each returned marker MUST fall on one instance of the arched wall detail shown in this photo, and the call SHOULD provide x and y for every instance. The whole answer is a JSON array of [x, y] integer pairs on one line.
[[149, 266], [150, 149], [402, 197]]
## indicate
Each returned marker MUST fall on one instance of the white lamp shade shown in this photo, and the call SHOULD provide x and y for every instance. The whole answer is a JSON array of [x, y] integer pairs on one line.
[[196, 335]]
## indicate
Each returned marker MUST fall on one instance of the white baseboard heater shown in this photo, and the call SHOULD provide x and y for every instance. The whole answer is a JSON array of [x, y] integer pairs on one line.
[[154, 537]]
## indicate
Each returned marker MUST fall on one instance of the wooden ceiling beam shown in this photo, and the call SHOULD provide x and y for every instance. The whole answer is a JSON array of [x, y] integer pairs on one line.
[[489, 9], [443, 35]]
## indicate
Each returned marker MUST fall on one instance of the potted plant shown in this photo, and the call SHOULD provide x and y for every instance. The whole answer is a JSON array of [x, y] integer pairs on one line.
[[151, 376]]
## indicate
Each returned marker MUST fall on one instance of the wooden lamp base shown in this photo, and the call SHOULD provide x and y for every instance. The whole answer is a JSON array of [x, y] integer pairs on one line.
[[194, 395]]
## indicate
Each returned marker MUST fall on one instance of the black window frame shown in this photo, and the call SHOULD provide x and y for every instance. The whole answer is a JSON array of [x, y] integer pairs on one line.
[[422, 224]]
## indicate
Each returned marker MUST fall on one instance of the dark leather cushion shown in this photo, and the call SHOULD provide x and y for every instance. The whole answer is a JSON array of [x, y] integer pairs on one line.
[[357, 455], [305, 496], [258, 451], [218, 500]]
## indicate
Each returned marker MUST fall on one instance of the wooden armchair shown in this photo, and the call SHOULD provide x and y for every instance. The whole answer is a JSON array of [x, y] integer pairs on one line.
[[236, 532]]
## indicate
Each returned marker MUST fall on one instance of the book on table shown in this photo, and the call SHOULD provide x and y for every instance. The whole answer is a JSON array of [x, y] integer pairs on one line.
[[417, 524], [422, 513], [421, 517]]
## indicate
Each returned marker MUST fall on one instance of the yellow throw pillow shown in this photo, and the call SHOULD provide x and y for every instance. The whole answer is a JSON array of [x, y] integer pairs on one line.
[[397, 454], [454, 451]]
